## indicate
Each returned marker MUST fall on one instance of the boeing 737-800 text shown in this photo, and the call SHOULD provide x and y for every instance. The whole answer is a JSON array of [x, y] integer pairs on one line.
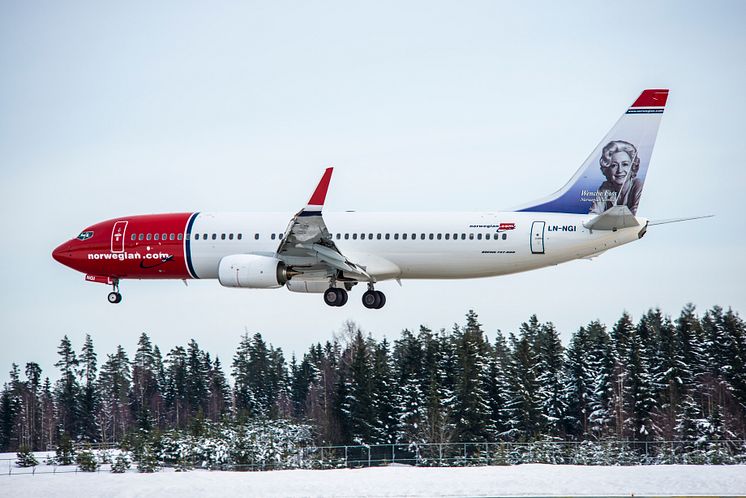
[[330, 253]]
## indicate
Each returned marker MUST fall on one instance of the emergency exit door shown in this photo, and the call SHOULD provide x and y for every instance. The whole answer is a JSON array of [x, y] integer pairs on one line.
[[537, 237], [117, 236]]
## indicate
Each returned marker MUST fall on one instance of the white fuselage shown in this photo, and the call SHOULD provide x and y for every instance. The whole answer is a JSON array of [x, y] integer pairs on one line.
[[416, 245]]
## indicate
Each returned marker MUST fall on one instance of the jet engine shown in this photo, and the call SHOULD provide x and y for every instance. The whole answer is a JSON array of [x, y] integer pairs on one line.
[[252, 271]]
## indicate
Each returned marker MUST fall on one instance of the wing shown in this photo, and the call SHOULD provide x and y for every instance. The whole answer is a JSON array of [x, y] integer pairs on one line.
[[307, 246]]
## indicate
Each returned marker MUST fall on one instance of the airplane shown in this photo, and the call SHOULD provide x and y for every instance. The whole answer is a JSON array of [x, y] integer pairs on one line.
[[314, 251]]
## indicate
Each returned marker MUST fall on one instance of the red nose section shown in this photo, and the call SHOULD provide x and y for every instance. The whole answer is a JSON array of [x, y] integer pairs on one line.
[[62, 253]]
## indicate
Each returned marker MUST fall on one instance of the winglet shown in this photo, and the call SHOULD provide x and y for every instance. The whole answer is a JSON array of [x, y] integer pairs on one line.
[[316, 202]]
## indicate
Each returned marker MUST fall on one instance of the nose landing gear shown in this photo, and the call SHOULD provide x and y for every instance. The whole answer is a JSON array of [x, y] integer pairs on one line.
[[115, 297]]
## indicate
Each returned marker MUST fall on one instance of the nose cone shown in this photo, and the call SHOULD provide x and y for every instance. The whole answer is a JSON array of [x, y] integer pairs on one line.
[[62, 253]]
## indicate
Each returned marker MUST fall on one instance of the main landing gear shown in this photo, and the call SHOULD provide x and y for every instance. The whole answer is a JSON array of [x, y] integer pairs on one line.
[[334, 296], [115, 297], [372, 299]]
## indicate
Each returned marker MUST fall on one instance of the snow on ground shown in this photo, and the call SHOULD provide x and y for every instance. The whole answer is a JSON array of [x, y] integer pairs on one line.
[[391, 481]]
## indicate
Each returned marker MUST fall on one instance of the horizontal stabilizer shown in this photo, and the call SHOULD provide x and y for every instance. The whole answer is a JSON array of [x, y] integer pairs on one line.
[[677, 220], [614, 218]]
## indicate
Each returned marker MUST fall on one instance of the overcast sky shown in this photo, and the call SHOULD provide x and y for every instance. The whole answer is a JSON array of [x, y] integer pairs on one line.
[[147, 107]]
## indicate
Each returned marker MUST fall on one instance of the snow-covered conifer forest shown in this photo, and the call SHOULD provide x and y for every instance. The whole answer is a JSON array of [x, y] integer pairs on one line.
[[658, 389]]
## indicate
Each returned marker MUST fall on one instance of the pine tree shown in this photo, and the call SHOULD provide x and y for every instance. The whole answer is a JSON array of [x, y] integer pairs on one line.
[[197, 378], [621, 334], [639, 396], [67, 389], [549, 367], [177, 393], [114, 387], [601, 367], [25, 457], [89, 395], [471, 408], [524, 404], [146, 394], [384, 394], [357, 404], [33, 404], [578, 385], [408, 364], [220, 392]]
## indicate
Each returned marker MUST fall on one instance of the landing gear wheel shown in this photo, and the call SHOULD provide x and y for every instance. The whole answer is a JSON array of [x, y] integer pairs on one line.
[[382, 300], [335, 297], [115, 297], [373, 299], [344, 297]]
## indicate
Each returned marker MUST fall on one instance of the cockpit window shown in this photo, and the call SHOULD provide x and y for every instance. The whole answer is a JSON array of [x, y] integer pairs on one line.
[[85, 235]]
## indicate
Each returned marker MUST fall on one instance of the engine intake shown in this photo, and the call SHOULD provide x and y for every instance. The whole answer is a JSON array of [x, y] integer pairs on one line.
[[251, 271]]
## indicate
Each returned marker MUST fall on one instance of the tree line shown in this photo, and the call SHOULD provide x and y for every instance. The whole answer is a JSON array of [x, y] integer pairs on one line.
[[656, 379]]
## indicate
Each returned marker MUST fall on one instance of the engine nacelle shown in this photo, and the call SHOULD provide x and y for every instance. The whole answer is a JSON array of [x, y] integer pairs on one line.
[[252, 271]]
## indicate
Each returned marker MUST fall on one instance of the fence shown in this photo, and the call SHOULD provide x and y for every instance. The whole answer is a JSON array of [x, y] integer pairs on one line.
[[454, 455]]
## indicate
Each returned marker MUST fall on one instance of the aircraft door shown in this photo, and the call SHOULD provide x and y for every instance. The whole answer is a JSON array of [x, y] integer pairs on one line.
[[117, 236], [537, 237]]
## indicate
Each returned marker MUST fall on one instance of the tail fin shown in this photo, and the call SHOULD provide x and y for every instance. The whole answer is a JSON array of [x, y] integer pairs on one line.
[[614, 174]]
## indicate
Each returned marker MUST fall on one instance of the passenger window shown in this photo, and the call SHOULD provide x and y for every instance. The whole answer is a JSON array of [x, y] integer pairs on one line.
[[222, 236], [370, 236], [455, 236], [239, 236], [479, 236], [387, 236], [448, 236], [505, 236], [171, 237], [181, 236], [214, 236], [164, 236], [431, 236], [256, 236], [140, 237], [463, 236], [404, 236], [378, 236], [422, 236], [396, 236], [148, 237], [471, 236], [347, 236], [362, 236], [196, 236], [487, 236], [134, 236], [272, 236], [414, 236], [230, 236], [439, 236], [354, 236], [339, 236], [155, 237]]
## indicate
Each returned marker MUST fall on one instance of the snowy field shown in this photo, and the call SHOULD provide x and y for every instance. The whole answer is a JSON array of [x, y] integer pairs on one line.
[[534, 479]]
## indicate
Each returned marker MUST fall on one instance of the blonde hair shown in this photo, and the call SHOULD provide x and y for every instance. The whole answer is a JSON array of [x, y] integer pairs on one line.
[[612, 148]]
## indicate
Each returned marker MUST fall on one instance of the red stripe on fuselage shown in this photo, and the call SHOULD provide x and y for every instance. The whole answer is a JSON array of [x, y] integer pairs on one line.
[[144, 259]]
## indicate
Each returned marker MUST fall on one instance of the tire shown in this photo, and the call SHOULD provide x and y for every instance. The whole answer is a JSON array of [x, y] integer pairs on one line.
[[371, 299], [114, 297], [332, 297], [344, 298], [381, 300]]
